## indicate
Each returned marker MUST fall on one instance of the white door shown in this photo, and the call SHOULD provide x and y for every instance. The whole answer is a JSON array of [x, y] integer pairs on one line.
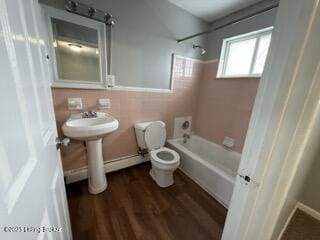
[[285, 88], [32, 192]]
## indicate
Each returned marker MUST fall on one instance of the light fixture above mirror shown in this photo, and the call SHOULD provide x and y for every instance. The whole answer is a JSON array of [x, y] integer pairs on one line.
[[75, 47]]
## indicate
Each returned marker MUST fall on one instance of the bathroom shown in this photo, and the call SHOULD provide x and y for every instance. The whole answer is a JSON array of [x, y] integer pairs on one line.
[[157, 119]]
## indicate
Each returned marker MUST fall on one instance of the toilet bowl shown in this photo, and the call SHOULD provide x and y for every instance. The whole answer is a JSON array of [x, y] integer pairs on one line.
[[164, 161]]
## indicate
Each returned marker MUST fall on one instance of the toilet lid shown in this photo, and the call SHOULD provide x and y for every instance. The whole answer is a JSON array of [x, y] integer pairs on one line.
[[155, 135]]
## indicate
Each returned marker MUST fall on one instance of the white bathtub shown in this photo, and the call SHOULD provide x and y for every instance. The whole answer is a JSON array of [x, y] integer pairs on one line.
[[211, 166]]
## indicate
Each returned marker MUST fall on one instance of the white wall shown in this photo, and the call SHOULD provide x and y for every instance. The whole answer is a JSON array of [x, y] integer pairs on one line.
[[145, 33], [144, 38], [305, 186]]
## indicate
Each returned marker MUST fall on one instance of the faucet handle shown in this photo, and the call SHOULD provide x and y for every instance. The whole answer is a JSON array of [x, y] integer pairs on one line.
[[89, 114], [186, 135], [93, 113], [85, 114]]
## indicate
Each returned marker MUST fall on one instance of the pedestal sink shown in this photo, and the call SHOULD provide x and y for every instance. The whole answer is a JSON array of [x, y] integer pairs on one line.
[[92, 130]]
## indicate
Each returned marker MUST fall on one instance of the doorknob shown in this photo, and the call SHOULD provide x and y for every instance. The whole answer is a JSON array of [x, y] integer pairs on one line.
[[62, 142], [248, 180], [246, 177]]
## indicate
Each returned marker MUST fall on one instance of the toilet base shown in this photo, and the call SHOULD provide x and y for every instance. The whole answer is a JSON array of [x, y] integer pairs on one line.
[[163, 178]]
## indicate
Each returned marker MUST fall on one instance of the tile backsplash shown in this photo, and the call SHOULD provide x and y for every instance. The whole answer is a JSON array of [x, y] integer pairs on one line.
[[217, 107], [129, 107], [224, 106]]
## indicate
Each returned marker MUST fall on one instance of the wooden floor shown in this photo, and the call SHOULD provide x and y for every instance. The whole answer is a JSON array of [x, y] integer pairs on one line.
[[302, 227], [134, 207]]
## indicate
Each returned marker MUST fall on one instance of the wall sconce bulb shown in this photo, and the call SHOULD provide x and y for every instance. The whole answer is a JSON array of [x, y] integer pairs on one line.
[[72, 6], [91, 11]]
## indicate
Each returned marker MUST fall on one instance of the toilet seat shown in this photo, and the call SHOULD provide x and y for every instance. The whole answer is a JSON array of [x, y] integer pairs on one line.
[[164, 157], [155, 137], [164, 161]]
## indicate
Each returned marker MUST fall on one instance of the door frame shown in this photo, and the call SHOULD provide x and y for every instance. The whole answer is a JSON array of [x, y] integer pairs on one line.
[[32, 190], [281, 121]]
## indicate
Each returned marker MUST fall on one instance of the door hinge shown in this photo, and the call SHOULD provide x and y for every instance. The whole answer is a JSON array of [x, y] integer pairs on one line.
[[62, 142]]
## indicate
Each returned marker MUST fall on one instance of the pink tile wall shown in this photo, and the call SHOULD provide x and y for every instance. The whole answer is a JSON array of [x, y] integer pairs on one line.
[[130, 107], [224, 106], [219, 107]]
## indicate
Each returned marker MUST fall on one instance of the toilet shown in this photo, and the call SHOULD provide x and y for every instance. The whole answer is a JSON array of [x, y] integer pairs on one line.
[[151, 137]]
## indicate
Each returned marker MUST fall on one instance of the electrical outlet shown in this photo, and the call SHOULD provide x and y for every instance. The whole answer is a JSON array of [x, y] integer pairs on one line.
[[104, 103], [74, 103], [111, 80]]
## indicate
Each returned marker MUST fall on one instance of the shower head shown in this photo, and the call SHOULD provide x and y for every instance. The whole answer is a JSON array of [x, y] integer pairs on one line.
[[202, 50]]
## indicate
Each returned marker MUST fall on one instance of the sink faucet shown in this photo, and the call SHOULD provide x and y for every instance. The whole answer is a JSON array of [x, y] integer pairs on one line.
[[90, 114], [185, 136]]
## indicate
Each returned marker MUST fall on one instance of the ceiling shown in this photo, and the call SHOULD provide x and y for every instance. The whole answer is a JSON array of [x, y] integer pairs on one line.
[[210, 10]]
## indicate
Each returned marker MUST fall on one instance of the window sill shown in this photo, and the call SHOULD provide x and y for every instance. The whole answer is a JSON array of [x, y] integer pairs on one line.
[[239, 77]]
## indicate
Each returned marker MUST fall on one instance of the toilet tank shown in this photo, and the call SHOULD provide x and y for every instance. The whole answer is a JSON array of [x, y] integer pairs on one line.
[[140, 130]]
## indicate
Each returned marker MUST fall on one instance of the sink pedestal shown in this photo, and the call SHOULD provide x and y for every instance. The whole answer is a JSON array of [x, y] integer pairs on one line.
[[92, 130], [96, 176]]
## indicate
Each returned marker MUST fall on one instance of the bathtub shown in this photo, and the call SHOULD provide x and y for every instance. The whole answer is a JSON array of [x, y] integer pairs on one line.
[[213, 167]]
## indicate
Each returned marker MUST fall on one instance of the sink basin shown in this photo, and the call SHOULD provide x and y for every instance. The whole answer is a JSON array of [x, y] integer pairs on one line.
[[92, 130], [84, 129]]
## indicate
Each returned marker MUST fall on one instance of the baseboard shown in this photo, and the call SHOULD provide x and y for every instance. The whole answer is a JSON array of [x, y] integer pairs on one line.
[[308, 210], [288, 221], [109, 166], [303, 208]]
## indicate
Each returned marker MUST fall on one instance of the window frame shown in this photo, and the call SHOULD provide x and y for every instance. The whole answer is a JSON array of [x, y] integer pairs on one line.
[[221, 73]]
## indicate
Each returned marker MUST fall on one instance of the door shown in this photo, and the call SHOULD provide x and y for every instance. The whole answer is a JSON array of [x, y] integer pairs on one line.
[[33, 201], [275, 128]]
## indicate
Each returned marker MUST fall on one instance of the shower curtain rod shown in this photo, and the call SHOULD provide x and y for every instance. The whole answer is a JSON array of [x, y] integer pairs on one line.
[[231, 22]]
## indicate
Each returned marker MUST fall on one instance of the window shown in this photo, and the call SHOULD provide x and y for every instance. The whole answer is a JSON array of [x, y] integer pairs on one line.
[[183, 67], [188, 68], [244, 55]]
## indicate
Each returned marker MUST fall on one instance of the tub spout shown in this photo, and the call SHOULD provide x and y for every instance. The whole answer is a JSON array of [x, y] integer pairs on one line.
[[185, 137]]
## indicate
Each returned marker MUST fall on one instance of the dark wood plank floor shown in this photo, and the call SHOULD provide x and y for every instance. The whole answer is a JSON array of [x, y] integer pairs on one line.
[[302, 226], [134, 207]]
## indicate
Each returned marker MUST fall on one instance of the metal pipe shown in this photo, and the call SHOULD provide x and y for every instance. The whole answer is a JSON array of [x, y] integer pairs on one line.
[[231, 22], [109, 49]]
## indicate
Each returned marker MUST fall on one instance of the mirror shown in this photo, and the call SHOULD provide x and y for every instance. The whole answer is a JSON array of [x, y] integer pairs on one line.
[[78, 47]]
